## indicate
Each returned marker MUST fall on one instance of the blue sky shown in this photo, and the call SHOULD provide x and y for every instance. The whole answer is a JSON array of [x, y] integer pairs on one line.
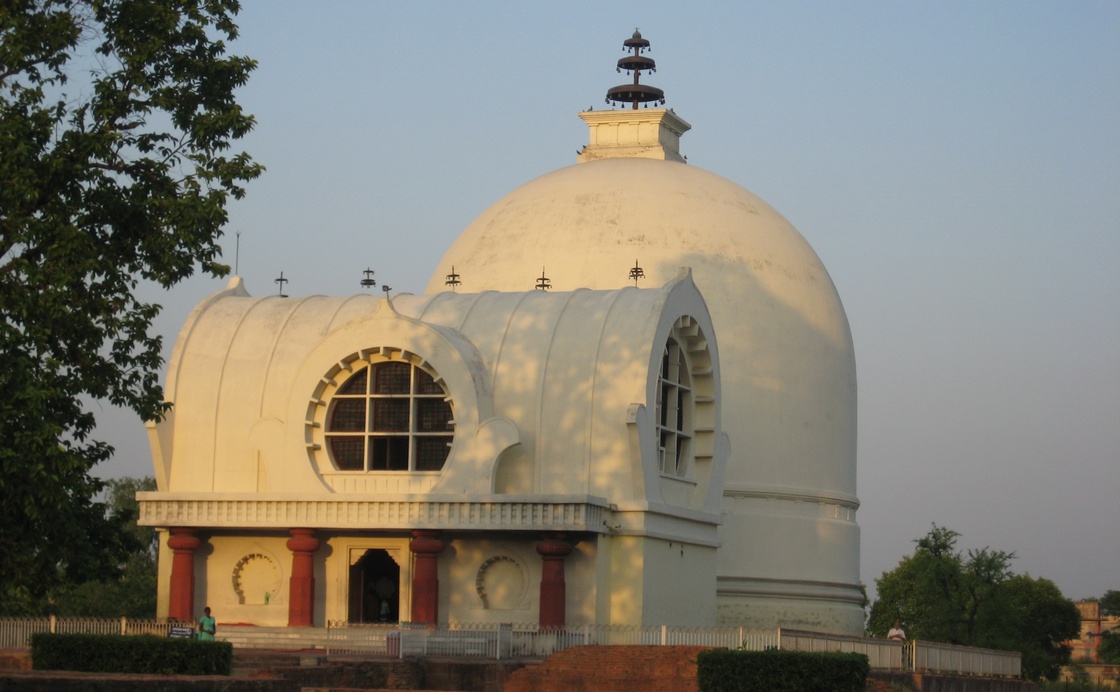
[[956, 165]]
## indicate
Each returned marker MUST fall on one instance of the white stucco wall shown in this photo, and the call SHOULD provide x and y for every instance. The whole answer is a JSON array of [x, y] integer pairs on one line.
[[554, 404], [788, 377]]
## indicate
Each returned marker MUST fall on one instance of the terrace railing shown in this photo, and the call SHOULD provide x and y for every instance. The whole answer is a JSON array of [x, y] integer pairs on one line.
[[505, 641], [499, 641], [947, 658], [881, 653]]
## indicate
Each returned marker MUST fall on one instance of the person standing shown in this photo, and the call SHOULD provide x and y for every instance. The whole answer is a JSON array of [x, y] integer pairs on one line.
[[206, 626], [896, 632]]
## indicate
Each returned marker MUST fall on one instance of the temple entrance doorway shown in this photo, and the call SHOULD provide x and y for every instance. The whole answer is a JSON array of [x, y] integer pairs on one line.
[[375, 584]]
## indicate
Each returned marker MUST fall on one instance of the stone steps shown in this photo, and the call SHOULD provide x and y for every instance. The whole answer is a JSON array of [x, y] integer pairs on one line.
[[275, 638]]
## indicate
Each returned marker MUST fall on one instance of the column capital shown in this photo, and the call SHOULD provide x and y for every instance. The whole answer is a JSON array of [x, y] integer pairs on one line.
[[426, 542], [555, 546], [183, 538], [303, 541]]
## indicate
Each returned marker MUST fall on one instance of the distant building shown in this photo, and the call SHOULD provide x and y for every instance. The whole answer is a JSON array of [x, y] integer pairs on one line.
[[1093, 624], [504, 454]]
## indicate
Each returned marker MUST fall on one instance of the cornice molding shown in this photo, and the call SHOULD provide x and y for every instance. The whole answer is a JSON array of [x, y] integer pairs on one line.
[[351, 514]]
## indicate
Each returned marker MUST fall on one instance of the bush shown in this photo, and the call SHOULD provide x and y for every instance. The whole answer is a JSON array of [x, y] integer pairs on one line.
[[107, 653], [720, 670]]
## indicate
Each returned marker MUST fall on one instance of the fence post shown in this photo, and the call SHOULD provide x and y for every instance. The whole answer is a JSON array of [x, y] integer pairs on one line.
[[54, 621], [124, 625]]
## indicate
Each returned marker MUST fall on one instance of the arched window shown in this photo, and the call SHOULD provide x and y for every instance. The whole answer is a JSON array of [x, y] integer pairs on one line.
[[389, 416], [675, 413]]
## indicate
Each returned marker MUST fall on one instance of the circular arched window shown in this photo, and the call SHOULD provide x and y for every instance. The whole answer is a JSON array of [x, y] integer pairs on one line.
[[389, 416]]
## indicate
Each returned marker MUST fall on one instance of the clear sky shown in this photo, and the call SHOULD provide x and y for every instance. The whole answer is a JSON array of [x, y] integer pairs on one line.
[[956, 165]]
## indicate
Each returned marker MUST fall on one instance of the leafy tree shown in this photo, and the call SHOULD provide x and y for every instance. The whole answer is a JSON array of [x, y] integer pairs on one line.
[[974, 599], [116, 119], [1045, 621], [1109, 648], [943, 595], [1110, 603], [133, 594]]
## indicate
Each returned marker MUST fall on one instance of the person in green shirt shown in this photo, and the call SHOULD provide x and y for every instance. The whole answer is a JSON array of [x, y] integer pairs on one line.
[[206, 626]]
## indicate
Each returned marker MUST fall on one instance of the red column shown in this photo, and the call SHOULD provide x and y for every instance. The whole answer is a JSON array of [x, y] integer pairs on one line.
[[426, 547], [183, 542], [553, 548], [301, 594]]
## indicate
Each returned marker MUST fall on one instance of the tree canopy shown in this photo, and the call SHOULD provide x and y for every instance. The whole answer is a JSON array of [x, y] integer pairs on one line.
[[132, 593], [1110, 603], [1109, 647], [974, 599], [116, 122]]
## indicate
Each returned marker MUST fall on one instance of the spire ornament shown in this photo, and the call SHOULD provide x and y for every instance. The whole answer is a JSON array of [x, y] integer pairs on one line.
[[452, 279], [543, 283], [637, 273], [637, 63], [368, 282]]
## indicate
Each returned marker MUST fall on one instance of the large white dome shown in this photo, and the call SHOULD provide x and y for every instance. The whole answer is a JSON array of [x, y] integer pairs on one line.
[[790, 542]]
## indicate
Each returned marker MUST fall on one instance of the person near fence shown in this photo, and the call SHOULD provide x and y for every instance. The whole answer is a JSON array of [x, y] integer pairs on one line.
[[896, 632], [206, 626]]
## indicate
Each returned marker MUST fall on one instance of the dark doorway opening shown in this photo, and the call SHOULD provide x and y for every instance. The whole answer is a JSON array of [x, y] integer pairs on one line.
[[375, 584]]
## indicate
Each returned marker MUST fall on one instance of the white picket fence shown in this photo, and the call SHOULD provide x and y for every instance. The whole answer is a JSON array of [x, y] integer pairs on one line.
[[506, 641], [16, 632]]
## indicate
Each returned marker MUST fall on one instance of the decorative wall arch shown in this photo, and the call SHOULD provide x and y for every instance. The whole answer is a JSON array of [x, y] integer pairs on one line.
[[257, 578], [501, 583]]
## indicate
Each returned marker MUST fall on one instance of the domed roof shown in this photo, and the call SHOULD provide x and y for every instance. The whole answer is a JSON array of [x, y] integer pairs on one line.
[[788, 366], [586, 225]]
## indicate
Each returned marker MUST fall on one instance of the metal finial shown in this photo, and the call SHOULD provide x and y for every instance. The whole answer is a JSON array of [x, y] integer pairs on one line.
[[543, 283], [386, 288], [452, 279], [637, 63], [281, 281], [637, 273], [368, 282]]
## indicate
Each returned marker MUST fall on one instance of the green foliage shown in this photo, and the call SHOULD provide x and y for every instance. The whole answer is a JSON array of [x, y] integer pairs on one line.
[[974, 599], [943, 595], [133, 594], [1046, 619], [1110, 603], [1109, 648], [116, 117], [721, 670], [106, 653]]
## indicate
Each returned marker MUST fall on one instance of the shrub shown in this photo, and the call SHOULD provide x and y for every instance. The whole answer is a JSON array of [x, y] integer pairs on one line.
[[720, 670], [107, 653]]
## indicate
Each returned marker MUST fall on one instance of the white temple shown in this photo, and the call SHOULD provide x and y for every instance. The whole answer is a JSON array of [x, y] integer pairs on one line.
[[505, 454]]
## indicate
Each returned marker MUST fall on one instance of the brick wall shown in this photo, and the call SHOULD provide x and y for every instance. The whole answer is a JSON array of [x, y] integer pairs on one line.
[[611, 669]]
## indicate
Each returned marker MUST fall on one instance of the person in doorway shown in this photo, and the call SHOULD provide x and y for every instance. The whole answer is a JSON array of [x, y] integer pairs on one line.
[[896, 632], [206, 626]]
